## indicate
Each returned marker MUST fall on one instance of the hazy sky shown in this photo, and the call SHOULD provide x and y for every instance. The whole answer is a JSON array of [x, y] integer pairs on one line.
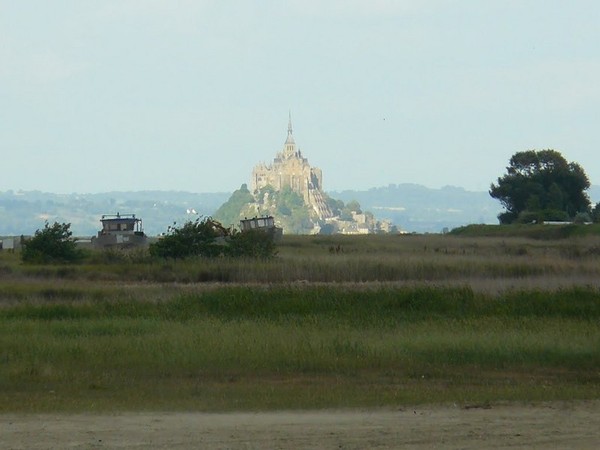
[[191, 94]]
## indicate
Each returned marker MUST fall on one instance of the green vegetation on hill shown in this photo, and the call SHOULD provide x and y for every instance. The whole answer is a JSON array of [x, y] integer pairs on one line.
[[288, 208], [230, 211]]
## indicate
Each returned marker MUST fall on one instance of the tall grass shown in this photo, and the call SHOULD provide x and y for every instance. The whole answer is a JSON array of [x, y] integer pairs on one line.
[[300, 346], [375, 306], [335, 259], [331, 321]]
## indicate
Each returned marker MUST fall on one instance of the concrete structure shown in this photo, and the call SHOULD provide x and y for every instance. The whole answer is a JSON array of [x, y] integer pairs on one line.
[[120, 230], [290, 169], [266, 224], [7, 243]]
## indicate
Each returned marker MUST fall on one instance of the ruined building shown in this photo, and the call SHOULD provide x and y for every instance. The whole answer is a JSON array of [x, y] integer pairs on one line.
[[291, 169]]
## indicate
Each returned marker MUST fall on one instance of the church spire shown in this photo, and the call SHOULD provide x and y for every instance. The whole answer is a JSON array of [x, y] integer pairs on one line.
[[290, 137]]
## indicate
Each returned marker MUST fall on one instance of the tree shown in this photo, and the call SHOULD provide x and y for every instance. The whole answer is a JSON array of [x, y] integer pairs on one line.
[[541, 185], [52, 244], [194, 238], [353, 205]]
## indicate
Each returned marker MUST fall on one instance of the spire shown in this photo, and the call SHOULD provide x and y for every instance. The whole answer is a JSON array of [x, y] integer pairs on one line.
[[290, 138]]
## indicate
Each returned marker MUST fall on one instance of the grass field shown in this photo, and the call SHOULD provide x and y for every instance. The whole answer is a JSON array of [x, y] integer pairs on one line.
[[330, 322]]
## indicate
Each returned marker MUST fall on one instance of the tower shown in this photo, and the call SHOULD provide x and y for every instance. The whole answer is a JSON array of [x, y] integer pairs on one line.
[[290, 145]]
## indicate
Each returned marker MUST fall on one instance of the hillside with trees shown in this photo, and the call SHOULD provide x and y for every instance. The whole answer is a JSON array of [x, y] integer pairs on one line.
[[287, 206], [229, 212]]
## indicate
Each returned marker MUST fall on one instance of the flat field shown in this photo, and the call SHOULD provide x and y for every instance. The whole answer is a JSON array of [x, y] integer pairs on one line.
[[340, 322], [543, 426]]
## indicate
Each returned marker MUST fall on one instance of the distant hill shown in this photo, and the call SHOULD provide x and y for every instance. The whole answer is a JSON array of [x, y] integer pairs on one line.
[[417, 208], [410, 206], [24, 212]]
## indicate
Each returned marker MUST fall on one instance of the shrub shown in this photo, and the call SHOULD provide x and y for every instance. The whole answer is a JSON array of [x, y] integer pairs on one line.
[[52, 244], [208, 238], [252, 243], [198, 238]]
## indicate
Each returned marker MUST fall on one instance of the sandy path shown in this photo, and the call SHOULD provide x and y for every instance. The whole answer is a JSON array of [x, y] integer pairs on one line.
[[548, 426]]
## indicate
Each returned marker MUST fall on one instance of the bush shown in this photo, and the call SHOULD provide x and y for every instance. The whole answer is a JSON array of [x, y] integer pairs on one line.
[[198, 238], [540, 216], [252, 243], [52, 244], [208, 238]]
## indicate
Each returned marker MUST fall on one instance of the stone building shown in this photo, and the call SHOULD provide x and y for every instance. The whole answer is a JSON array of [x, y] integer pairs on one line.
[[290, 169]]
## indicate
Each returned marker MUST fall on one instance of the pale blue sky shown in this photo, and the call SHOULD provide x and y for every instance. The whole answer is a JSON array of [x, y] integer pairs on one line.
[[190, 95]]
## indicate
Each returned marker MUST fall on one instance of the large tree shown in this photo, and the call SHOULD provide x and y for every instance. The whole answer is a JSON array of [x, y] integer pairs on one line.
[[541, 185]]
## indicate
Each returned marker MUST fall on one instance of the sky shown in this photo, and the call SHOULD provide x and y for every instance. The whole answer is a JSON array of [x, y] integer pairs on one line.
[[104, 95]]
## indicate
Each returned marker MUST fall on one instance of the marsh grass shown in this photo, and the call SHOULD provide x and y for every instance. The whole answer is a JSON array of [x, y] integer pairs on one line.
[[299, 346], [342, 259], [332, 321]]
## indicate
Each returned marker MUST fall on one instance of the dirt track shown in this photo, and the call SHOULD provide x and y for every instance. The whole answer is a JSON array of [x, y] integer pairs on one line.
[[555, 426]]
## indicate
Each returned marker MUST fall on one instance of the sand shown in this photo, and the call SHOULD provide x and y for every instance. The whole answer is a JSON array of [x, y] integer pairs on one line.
[[570, 425]]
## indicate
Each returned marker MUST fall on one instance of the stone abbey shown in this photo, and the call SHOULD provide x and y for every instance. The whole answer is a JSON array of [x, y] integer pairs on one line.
[[290, 169]]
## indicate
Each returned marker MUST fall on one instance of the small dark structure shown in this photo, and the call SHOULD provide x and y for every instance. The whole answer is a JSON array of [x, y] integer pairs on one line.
[[266, 224], [120, 231]]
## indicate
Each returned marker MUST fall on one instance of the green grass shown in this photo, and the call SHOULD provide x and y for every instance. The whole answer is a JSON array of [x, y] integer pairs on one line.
[[270, 347], [332, 321], [375, 305]]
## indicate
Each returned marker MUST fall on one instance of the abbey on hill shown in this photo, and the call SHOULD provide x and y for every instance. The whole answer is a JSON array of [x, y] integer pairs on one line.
[[290, 169], [291, 190]]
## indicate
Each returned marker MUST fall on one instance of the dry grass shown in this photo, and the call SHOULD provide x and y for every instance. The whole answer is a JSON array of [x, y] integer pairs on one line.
[[343, 259]]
